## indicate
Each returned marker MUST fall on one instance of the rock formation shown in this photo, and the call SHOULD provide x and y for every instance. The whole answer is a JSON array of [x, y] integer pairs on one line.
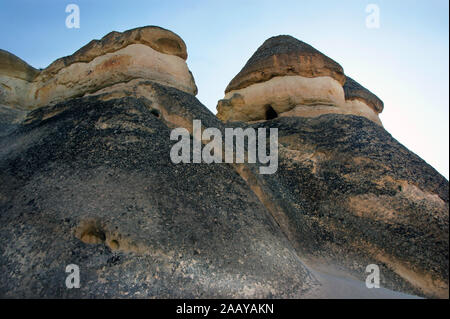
[[86, 179], [138, 54], [287, 77], [346, 193]]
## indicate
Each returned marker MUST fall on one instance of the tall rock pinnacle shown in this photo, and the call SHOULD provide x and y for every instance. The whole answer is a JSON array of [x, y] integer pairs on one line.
[[287, 77]]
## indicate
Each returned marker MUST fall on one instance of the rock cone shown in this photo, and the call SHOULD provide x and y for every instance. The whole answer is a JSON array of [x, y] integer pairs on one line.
[[287, 77]]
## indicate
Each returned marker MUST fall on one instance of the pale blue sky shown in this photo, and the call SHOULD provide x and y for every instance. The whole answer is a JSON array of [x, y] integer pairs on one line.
[[405, 62]]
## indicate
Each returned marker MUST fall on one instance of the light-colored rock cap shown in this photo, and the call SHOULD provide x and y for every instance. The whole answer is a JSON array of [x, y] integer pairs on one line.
[[287, 77], [355, 91], [159, 39], [13, 66], [15, 78], [147, 54], [285, 55]]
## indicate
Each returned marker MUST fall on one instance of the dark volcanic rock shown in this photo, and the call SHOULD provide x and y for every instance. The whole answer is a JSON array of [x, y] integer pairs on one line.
[[351, 196], [10, 119], [346, 194], [90, 182]]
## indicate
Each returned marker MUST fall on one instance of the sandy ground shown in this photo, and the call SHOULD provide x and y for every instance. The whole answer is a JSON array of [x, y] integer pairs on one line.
[[337, 287]]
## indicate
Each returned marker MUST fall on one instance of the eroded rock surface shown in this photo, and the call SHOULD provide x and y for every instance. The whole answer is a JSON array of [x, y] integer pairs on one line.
[[90, 182], [86, 179], [285, 55], [287, 77], [355, 91], [348, 195], [149, 53]]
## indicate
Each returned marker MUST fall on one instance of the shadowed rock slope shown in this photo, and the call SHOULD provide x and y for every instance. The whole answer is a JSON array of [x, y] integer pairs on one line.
[[350, 195], [94, 185], [346, 193]]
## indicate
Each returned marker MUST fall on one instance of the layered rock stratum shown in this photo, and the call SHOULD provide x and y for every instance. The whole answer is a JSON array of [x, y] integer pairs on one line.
[[143, 53], [87, 179], [287, 77]]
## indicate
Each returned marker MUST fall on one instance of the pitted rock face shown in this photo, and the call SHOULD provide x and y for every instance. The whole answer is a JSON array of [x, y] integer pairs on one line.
[[147, 53], [102, 192], [352, 196], [287, 77]]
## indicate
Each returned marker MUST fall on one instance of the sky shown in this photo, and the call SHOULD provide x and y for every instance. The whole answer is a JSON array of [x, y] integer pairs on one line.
[[405, 61]]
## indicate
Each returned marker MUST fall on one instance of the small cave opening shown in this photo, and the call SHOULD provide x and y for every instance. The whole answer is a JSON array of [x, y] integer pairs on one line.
[[270, 113], [155, 113]]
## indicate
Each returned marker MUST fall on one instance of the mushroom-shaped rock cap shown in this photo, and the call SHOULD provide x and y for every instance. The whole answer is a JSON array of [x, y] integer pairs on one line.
[[13, 66], [285, 55], [355, 91], [157, 38], [114, 63]]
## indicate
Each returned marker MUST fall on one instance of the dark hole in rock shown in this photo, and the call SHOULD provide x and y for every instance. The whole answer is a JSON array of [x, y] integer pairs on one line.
[[270, 113], [155, 112]]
